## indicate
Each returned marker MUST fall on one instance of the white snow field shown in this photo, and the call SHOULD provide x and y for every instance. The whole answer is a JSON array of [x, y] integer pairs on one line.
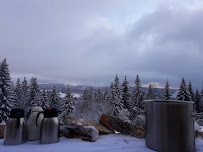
[[105, 143]]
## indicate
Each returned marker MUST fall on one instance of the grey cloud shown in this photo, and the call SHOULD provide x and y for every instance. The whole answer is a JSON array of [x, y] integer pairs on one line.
[[76, 41]]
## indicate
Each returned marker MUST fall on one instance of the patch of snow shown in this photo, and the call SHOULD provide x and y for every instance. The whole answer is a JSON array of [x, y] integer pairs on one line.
[[62, 95], [201, 128], [76, 95], [154, 85], [81, 120], [107, 143], [116, 132], [78, 123], [92, 127]]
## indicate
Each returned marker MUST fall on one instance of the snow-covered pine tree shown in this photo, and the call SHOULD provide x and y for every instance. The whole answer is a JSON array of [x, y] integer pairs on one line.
[[85, 94], [100, 101], [197, 99], [37, 100], [126, 96], [111, 94], [150, 94], [137, 95], [118, 106], [54, 98], [33, 96], [24, 95], [44, 99], [201, 101], [98, 96], [67, 107], [106, 92], [166, 93], [190, 91], [95, 95], [12, 96], [2, 114], [18, 91], [8, 94], [183, 92]]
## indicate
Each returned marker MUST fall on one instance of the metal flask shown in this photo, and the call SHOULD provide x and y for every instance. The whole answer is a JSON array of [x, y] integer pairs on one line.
[[170, 125], [33, 130], [15, 130], [49, 127]]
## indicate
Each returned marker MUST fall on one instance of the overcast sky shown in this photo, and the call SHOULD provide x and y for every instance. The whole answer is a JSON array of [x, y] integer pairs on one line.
[[90, 41]]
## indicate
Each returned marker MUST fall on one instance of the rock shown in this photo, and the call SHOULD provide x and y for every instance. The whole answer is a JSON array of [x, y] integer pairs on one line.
[[2, 127], [121, 126], [87, 133], [139, 121], [80, 122]]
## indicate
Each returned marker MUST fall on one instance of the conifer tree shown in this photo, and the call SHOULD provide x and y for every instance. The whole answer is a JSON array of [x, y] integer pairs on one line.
[[197, 99], [18, 91], [67, 106], [111, 94], [33, 96], [98, 96], [54, 98], [106, 94], [201, 101], [117, 101], [190, 91], [7, 91], [137, 95], [150, 94], [44, 99], [166, 92], [126, 94], [85, 94], [24, 95], [183, 92]]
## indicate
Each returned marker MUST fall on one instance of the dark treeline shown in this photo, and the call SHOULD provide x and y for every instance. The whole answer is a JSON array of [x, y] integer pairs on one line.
[[117, 100]]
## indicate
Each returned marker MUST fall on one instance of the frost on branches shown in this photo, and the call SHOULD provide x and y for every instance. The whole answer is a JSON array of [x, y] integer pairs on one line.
[[67, 106], [166, 92], [7, 94], [54, 100], [183, 93]]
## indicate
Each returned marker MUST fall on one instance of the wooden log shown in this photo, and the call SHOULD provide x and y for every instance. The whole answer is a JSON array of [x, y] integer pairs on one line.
[[80, 122], [121, 126], [2, 127], [87, 133]]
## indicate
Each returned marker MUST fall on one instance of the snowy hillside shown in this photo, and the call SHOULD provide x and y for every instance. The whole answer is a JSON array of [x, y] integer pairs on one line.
[[105, 143]]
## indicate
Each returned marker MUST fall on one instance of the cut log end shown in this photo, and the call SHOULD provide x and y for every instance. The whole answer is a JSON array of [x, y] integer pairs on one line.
[[121, 126]]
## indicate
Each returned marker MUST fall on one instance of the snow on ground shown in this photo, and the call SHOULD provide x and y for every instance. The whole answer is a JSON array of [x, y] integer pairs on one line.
[[76, 95], [107, 143]]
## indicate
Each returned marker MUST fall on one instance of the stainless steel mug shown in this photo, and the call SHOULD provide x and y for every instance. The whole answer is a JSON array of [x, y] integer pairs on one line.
[[15, 130], [170, 126]]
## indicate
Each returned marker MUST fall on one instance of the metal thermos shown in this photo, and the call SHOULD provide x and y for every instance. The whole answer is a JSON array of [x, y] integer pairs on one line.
[[33, 130], [15, 130], [50, 127]]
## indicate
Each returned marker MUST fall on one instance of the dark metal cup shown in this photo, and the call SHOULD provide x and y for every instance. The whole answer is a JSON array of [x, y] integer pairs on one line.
[[170, 126]]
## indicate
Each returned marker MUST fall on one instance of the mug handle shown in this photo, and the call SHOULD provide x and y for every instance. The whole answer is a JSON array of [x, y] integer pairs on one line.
[[38, 117]]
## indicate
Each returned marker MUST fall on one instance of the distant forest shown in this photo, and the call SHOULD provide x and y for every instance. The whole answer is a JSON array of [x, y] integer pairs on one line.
[[116, 100]]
